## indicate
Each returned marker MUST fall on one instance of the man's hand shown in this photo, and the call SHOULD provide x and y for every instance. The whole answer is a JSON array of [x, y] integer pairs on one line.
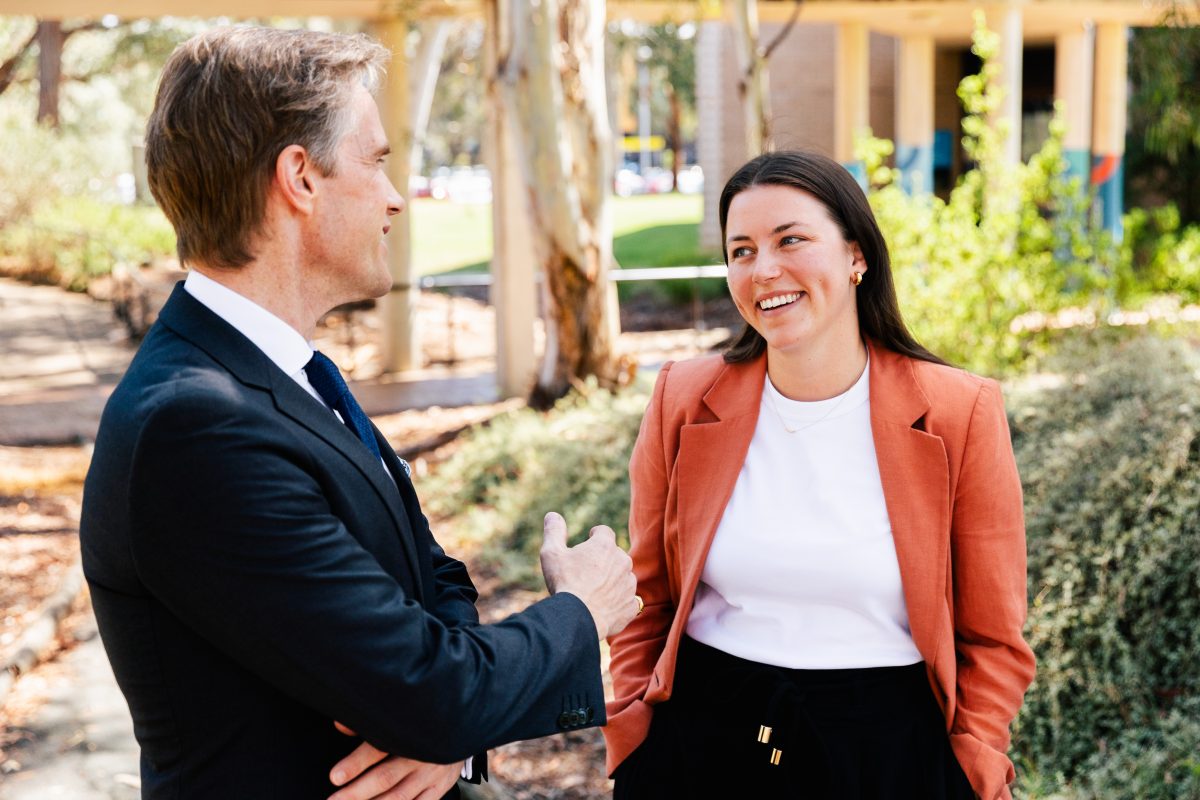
[[597, 572], [369, 774]]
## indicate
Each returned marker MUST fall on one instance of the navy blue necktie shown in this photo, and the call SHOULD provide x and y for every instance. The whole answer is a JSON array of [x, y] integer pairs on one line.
[[324, 376]]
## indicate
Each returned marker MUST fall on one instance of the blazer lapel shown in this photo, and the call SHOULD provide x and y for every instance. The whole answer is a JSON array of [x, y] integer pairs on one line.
[[711, 452], [915, 473], [419, 544], [298, 404], [192, 320]]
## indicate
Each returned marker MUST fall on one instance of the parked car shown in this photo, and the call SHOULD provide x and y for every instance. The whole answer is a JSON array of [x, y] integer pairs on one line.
[[658, 181], [418, 186], [461, 184], [627, 183], [691, 180]]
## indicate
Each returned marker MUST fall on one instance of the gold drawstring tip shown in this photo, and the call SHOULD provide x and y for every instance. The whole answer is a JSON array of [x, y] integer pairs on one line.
[[764, 734], [775, 754]]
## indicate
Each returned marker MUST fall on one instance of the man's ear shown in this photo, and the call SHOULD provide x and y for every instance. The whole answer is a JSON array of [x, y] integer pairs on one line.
[[295, 175]]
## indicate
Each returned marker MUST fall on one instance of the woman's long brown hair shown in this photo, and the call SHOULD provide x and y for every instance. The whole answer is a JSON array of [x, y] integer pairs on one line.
[[832, 185]]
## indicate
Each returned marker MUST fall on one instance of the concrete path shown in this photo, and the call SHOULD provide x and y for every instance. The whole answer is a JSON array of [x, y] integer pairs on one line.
[[81, 744], [61, 355]]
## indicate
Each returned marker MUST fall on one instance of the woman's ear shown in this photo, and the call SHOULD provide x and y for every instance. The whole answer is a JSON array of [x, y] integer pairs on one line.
[[294, 178], [857, 262]]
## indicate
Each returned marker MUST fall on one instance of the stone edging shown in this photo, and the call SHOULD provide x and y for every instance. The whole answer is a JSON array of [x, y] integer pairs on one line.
[[38, 634]]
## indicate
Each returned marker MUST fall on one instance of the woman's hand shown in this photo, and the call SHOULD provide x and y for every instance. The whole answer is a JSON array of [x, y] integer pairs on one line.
[[371, 774]]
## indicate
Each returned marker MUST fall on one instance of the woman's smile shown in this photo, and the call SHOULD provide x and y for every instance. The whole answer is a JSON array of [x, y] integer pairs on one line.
[[779, 301]]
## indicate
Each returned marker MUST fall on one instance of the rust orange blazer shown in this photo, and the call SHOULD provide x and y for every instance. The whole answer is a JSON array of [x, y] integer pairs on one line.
[[954, 500]]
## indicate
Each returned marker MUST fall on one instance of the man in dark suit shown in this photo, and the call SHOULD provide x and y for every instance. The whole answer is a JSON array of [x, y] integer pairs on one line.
[[257, 557]]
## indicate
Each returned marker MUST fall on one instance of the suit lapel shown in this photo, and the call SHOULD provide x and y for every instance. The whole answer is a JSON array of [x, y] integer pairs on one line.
[[419, 545], [711, 452], [915, 474], [298, 404], [192, 320]]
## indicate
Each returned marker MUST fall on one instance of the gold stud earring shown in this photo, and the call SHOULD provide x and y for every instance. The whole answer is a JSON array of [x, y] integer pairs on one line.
[[856, 278]]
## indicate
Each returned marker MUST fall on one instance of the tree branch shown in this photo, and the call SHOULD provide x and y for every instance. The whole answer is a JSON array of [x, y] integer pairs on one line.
[[791, 23], [87, 26], [9, 68]]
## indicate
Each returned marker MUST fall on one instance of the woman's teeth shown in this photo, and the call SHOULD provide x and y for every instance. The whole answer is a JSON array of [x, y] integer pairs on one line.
[[779, 300]]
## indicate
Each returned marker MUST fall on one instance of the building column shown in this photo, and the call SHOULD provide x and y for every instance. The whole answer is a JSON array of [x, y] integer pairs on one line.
[[914, 113], [852, 94], [1008, 22], [401, 348], [514, 286], [1108, 132], [1073, 89]]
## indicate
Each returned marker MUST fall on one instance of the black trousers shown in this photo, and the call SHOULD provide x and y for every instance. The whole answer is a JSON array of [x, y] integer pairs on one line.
[[737, 728]]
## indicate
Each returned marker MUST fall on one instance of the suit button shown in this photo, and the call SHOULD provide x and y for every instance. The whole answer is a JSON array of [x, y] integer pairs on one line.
[[564, 720], [575, 720], [591, 714]]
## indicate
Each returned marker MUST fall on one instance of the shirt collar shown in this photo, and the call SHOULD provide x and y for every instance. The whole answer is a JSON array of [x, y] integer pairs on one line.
[[280, 342], [807, 410]]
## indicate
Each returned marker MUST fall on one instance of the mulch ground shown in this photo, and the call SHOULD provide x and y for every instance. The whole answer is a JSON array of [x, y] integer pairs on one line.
[[40, 490]]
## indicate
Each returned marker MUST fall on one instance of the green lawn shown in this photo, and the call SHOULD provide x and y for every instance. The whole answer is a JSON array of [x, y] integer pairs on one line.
[[450, 237], [649, 231]]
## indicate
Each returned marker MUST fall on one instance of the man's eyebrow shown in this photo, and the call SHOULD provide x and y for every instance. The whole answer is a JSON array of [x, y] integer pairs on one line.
[[383, 150]]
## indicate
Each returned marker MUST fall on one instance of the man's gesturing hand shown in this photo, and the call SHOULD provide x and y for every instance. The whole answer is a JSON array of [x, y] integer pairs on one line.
[[596, 571]]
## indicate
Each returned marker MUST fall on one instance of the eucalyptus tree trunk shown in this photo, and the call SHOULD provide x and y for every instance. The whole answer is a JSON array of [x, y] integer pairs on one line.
[[50, 46], [753, 83], [553, 79]]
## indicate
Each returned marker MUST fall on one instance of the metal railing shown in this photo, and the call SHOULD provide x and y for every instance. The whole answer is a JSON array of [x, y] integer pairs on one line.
[[617, 275], [632, 275]]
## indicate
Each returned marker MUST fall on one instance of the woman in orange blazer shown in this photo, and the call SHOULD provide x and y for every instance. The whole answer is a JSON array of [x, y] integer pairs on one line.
[[827, 532]]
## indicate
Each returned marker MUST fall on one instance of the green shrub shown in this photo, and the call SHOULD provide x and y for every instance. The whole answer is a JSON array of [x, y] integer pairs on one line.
[[1009, 240], [1159, 257], [71, 240], [1110, 462], [1015, 239], [507, 475], [60, 218], [1159, 762], [39, 165]]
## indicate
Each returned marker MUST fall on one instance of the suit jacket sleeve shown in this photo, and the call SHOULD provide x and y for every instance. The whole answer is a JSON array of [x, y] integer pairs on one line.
[[233, 533], [636, 649], [455, 593], [995, 665]]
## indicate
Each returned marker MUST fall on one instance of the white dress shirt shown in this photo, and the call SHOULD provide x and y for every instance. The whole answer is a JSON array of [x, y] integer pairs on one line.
[[279, 341]]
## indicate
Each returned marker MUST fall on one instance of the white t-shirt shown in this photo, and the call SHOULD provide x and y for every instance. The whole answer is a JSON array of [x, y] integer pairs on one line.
[[802, 572]]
